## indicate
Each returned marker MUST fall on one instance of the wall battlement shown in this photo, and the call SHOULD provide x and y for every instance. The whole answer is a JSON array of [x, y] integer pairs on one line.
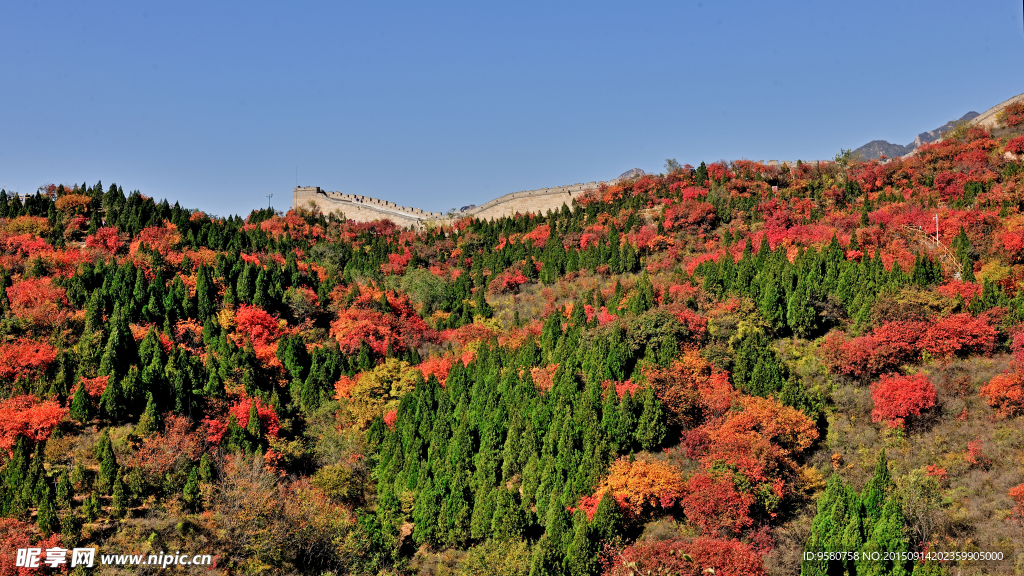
[[363, 208]]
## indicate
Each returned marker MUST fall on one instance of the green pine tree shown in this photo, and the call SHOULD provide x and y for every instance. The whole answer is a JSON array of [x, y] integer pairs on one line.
[[119, 500], [46, 516], [80, 405], [650, 430], [191, 492], [149, 423]]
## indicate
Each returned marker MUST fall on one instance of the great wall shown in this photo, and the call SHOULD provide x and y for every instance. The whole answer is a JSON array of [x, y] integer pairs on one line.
[[366, 209], [362, 208]]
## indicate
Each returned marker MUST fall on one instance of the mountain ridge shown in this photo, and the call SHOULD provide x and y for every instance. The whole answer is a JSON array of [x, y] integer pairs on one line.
[[878, 148]]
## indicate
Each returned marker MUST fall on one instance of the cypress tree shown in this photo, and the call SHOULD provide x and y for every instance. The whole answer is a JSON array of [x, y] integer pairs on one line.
[[608, 518], [120, 351], [876, 491], [425, 514], [887, 536], [650, 430], [205, 469], [80, 405], [150, 420], [772, 301], [46, 516], [800, 314], [65, 491], [119, 500], [108, 463], [110, 401], [206, 305], [582, 550], [91, 507], [191, 493]]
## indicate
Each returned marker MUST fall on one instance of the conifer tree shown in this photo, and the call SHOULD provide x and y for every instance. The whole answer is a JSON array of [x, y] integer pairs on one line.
[[582, 550], [108, 463], [65, 491], [608, 518], [111, 401], [80, 405], [191, 493], [887, 537], [772, 303], [46, 516], [205, 469], [91, 507], [800, 315], [234, 438], [120, 351], [650, 430], [876, 492], [150, 420], [119, 500]]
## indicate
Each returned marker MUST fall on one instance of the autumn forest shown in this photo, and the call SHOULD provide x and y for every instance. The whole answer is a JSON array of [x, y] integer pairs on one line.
[[731, 369]]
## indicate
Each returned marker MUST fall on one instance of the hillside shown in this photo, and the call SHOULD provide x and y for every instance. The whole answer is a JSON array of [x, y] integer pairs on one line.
[[725, 369]]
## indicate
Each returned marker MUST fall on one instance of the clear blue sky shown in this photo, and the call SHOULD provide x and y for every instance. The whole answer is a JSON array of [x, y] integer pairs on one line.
[[443, 104]]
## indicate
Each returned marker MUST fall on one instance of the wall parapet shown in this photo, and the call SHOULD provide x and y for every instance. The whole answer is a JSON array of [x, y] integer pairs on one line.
[[365, 208]]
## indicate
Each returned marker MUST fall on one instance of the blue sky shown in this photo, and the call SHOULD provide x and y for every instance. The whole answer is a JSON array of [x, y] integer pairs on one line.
[[438, 105]]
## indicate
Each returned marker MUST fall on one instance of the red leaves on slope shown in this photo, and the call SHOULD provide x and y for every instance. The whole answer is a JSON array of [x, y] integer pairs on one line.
[[895, 343], [898, 397], [26, 416], [713, 504], [1005, 393], [24, 357], [400, 327], [107, 239], [706, 555], [692, 390], [240, 410], [37, 301]]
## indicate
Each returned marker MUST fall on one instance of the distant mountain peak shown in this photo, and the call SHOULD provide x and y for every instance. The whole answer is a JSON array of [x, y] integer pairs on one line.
[[878, 148], [634, 173]]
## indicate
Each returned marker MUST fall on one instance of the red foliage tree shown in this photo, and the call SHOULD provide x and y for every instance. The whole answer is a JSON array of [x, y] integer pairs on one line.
[[24, 357], [713, 504], [959, 334], [508, 281], [758, 439], [1017, 495], [1005, 393], [1012, 114], [25, 416], [257, 325], [438, 367], [692, 390], [162, 239], [698, 557], [396, 263], [1015, 146], [642, 487], [269, 424], [176, 445], [37, 301], [399, 327], [898, 397], [107, 239], [94, 387], [15, 534]]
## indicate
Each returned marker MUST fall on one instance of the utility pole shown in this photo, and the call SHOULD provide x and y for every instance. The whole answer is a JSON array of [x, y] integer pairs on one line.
[[936, 228], [269, 196]]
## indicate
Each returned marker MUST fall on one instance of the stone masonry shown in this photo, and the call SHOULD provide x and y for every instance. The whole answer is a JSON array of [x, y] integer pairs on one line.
[[366, 209]]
